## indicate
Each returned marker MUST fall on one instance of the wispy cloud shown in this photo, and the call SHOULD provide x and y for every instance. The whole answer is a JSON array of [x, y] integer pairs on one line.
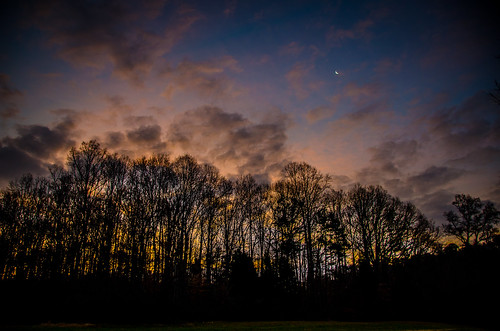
[[301, 81], [9, 96], [319, 113], [361, 30], [208, 78], [293, 48]]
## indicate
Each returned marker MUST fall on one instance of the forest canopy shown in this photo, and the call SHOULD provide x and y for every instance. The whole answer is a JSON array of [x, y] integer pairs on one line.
[[104, 214], [185, 235]]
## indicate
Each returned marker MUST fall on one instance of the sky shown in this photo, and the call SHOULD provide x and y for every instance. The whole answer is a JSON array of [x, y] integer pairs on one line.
[[391, 93]]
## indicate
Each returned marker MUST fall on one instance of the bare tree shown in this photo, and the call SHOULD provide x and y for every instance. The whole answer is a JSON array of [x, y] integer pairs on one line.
[[475, 222], [305, 187], [382, 228]]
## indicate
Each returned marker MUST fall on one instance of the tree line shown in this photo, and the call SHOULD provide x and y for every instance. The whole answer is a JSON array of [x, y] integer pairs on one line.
[[181, 227], [107, 215]]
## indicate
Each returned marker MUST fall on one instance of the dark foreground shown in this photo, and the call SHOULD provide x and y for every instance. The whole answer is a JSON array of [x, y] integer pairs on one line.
[[268, 325]]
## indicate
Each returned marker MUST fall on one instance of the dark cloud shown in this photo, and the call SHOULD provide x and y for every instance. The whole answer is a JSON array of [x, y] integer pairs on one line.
[[440, 153], [392, 156], [117, 102], [6, 90], [146, 134], [34, 147], [14, 162], [434, 177], [435, 204], [209, 122], [9, 96], [494, 193], [225, 138], [487, 157], [431, 190], [133, 120], [41, 141], [114, 139], [123, 33], [461, 129]]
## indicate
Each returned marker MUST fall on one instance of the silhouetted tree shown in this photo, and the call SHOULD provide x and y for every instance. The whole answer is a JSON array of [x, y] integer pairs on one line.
[[475, 222], [332, 235], [304, 188], [382, 228], [174, 236], [495, 94], [249, 204]]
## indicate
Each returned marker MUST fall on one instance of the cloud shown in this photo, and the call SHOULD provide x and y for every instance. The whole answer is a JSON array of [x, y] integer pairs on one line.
[[364, 124], [234, 143], [393, 156], [364, 99], [35, 147], [435, 203], [114, 139], [442, 151], [208, 78], [8, 98], [431, 189], [41, 141], [117, 102], [296, 78], [460, 129], [388, 66], [141, 120], [434, 177], [96, 34], [145, 134], [335, 36], [360, 94], [293, 48], [299, 80], [14, 162], [230, 8], [481, 158], [6, 90], [319, 113]]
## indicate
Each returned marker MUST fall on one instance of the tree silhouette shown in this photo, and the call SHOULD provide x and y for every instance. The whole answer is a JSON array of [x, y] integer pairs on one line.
[[475, 222], [175, 238], [495, 94], [306, 187]]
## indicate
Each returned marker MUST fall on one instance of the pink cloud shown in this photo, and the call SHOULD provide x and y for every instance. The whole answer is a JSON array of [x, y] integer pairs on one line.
[[301, 81]]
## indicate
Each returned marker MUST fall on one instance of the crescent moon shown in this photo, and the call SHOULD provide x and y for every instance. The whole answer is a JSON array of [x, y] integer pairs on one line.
[[336, 72]]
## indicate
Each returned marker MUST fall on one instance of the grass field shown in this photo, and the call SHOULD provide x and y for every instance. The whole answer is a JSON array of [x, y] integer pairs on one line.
[[287, 325]]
